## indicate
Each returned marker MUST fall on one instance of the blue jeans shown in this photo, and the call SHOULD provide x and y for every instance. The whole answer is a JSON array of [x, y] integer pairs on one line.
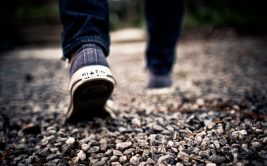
[[87, 21]]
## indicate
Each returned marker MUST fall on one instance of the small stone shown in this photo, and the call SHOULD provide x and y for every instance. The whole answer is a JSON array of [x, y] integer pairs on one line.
[[85, 147], [81, 155], [123, 159], [129, 151], [142, 143], [205, 142], [183, 156], [256, 145], [136, 122], [216, 144], [109, 152], [150, 161], [44, 152], [170, 144], [198, 140], [200, 101], [52, 157], [264, 140], [142, 164], [258, 131], [115, 164], [70, 141], [113, 158], [74, 160], [103, 144], [145, 153], [117, 153], [134, 160], [156, 127], [155, 139], [32, 159], [179, 164], [94, 149], [239, 134], [211, 164], [28, 77], [174, 150], [220, 129], [100, 163], [123, 145], [217, 159], [245, 147], [166, 160]]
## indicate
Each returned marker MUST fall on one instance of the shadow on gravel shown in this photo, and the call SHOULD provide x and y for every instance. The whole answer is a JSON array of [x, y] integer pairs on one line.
[[89, 115]]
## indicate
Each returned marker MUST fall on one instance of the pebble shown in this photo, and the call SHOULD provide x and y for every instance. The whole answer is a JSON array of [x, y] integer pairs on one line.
[[179, 164], [109, 152], [198, 140], [113, 158], [129, 151], [166, 160], [136, 122], [81, 155], [239, 134], [183, 156], [115, 164], [70, 141], [216, 144], [217, 159], [256, 145], [142, 143], [123, 159], [123, 145], [74, 160], [156, 127], [134, 160], [117, 153], [170, 144], [142, 164], [52, 157], [94, 149], [85, 147]]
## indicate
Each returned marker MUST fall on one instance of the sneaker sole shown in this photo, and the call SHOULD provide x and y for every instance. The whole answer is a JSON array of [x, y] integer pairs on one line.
[[90, 88]]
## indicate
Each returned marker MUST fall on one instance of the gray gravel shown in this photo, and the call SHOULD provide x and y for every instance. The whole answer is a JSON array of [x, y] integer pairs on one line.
[[215, 114]]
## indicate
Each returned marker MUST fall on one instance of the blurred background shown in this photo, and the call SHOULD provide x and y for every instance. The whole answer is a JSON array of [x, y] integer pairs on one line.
[[27, 22]]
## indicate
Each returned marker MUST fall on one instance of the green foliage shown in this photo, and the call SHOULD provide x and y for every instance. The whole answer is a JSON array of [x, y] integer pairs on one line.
[[46, 12], [241, 14]]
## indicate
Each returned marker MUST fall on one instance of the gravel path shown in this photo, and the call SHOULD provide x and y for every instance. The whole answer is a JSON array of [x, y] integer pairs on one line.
[[215, 114]]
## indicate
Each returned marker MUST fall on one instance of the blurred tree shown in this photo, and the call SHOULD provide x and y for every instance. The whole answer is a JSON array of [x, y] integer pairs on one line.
[[8, 30], [239, 14]]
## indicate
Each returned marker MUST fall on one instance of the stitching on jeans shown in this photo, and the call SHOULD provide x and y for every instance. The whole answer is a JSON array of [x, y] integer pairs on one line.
[[82, 14]]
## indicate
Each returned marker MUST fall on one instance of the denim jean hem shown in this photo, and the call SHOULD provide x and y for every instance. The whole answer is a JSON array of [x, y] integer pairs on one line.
[[159, 71], [76, 44]]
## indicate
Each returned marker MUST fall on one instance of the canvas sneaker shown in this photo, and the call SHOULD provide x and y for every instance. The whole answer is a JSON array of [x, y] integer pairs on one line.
[[91, 83], [159, 81]]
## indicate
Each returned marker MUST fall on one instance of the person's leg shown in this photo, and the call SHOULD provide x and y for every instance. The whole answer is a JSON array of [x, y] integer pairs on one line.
[[84, 21], [163, 24], [85, 42]]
